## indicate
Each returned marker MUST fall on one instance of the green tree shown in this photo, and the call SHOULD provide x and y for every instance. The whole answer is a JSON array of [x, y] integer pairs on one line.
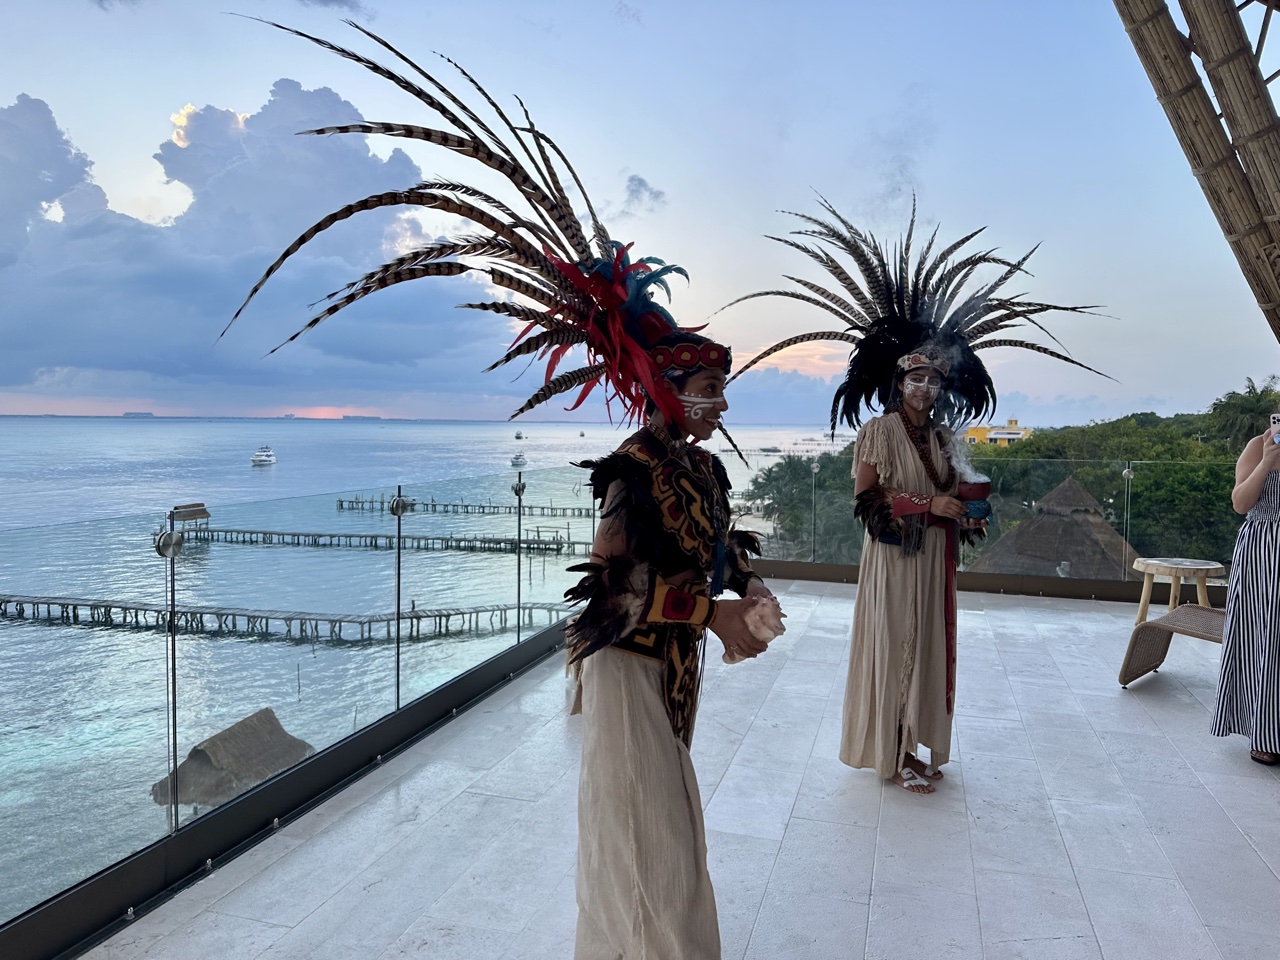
[[1238, 416], [790, 492]]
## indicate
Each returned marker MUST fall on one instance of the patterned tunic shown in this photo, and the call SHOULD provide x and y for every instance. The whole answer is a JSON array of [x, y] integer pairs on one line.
[[642, 881], [1249, 681]]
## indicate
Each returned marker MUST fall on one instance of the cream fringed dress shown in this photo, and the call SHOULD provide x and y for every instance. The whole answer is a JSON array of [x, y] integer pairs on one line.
[[644, 892], [898, 658]]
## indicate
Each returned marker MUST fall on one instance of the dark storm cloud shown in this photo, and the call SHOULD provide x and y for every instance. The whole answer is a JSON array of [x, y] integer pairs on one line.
[[108, 299]]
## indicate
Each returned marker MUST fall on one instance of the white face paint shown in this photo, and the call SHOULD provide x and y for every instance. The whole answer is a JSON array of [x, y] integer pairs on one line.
[[921, 384], [698, 408]]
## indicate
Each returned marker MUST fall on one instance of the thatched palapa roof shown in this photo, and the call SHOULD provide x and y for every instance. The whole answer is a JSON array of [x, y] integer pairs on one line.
[[1067, 536]]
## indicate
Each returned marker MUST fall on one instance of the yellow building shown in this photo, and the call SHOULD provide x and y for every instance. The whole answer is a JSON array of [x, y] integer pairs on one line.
[[1001, 436]]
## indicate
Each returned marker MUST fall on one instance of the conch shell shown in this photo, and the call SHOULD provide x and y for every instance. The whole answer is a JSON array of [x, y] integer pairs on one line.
[[764, 619]]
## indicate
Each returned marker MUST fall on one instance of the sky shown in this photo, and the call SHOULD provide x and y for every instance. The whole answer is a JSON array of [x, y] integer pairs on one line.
[[149, 173]]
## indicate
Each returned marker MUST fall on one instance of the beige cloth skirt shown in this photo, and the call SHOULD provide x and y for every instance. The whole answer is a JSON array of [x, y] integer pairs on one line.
[[644, 892]]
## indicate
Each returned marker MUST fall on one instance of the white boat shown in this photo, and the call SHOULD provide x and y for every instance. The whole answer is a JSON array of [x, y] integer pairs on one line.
[[519, 435], [518, 461], [263, 457]]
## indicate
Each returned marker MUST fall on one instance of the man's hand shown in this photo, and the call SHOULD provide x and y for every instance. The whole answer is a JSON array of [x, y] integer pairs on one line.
[[730, 626]]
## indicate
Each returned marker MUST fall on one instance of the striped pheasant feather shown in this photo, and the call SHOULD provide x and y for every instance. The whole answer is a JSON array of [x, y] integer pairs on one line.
[[582, 377]]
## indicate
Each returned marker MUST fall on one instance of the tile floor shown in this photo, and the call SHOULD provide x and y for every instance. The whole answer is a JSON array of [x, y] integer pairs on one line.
[[1077, 821]]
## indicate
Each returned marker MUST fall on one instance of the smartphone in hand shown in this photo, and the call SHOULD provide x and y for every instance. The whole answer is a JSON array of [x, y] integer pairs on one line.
[[1275, 427]]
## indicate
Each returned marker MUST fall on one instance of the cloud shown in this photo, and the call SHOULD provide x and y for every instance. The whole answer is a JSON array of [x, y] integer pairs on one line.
[[111, 306], [38, 164], [353, 5], [641, 197]]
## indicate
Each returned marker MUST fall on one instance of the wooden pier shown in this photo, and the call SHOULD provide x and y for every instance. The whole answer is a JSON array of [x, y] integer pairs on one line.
[[382, 504], [416, 623], [387, 541]]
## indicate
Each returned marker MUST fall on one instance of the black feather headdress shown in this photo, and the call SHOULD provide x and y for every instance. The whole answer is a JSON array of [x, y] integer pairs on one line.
[[569, 290], [892, 307]]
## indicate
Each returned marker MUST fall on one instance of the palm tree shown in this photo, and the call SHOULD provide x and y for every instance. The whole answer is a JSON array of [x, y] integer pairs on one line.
[[1238, 416]]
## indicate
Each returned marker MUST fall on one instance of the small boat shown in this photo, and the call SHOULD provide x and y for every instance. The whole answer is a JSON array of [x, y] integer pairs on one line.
[[519, 461], [519, 435], [263, 457], [770, 449], [582, 433]]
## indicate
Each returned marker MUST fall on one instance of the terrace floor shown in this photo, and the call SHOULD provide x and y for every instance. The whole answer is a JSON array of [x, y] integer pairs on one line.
[[1078, 820]]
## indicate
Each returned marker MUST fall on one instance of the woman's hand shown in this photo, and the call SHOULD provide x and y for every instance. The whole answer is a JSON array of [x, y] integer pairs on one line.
[[1270, 450], [948, 507], [756, 588], [730, 626]]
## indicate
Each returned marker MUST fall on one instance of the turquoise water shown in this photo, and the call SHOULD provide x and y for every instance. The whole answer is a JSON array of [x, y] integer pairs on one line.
[[83, 708]]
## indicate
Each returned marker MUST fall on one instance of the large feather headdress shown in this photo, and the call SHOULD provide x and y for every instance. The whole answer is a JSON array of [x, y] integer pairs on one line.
[[892, 307], [568, 289]]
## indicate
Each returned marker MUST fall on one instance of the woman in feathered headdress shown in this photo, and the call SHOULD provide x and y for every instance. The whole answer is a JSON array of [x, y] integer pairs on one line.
[[664, 548], [916, 336]]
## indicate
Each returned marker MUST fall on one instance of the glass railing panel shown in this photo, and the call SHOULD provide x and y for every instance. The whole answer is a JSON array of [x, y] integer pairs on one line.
[[458, 585], [286, 646], [1054, 518], [1183, 509], [83, 719]]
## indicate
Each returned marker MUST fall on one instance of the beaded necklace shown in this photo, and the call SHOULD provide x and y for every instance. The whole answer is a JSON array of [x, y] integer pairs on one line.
[[920, 440]]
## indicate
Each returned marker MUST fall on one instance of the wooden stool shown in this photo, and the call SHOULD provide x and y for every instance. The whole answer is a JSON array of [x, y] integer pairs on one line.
[[1176, 568]]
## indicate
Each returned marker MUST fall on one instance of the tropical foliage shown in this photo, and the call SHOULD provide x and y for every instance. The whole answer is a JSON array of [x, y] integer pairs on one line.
[[1175, 500]]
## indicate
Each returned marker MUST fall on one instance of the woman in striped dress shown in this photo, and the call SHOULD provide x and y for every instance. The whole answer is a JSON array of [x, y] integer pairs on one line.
[[1249, 682]]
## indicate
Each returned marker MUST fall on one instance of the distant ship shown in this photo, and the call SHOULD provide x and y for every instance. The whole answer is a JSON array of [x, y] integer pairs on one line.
[[263, 457], [582, 433], [139, 413], [519, 434], [287, 416], [518, 461]]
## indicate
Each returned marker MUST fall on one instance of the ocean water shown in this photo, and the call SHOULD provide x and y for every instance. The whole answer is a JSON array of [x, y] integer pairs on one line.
[[83, 732]]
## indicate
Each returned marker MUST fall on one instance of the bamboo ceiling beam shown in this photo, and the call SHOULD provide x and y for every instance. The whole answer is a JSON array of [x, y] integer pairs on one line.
[[1165, 54]]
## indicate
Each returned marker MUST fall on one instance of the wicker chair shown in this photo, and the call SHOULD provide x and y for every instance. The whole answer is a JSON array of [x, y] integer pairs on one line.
[[1149, 642]]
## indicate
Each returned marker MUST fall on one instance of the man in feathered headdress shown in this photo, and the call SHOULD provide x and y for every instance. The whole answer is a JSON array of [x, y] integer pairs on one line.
[[915, 340], [664, 549]]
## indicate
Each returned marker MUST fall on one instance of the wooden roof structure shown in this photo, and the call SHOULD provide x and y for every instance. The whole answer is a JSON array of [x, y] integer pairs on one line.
[[1067, 536], [1234, 146]]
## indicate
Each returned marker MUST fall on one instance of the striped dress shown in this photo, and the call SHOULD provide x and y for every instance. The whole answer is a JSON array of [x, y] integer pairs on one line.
[[1249, 683]]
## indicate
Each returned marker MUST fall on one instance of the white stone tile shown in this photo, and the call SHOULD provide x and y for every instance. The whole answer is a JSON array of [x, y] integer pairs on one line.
[[1142, 918], [1243, 944], [432, 939], [1175, 810], [822, 859], [1054, 948], [1141, 756], [753, 801], [827, 744], [1016, 906], [1112, 836], [995, 738], [807, 928], [910, 922], [779, 738], [1228, 883], [923, 844], [740, 867], [834, 792], [213, 936]]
